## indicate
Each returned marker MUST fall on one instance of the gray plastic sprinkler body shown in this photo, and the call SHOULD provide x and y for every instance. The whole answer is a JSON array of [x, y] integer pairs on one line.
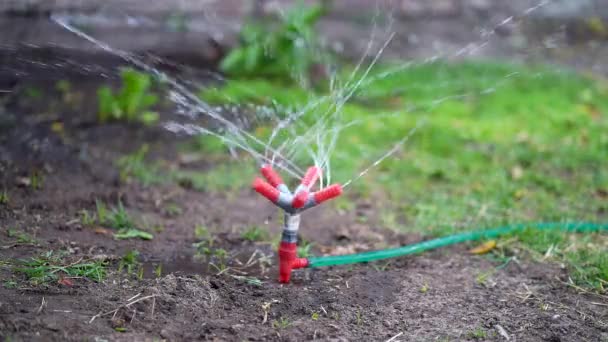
[[278, 193]]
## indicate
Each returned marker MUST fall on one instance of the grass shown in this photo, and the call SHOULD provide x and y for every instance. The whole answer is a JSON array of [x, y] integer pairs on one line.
[[129, 262], [501, 143], [119, 219], [53, 267], [21, 237]]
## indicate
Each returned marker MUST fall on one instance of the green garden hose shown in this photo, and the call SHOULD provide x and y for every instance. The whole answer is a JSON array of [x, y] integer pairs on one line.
[[574, 227]]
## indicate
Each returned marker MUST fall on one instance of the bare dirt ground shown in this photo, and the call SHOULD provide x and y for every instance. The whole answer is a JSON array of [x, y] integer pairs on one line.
[[439, 296]]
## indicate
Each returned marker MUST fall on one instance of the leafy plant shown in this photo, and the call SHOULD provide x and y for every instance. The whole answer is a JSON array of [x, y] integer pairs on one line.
[[287, 51], [304, 249], [254, 234], [131, 103]]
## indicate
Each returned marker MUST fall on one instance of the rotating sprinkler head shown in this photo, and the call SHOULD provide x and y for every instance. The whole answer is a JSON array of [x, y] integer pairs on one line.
[[277, 192]]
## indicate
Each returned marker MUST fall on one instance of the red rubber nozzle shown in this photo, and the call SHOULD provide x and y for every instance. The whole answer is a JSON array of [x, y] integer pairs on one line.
[[300, 199], [266, 190], [312, 174], [288, 261], [271, 175], [328, 193]]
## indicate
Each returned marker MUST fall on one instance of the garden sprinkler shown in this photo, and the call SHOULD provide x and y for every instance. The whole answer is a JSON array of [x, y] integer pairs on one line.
[[275, 190], [278, 193]]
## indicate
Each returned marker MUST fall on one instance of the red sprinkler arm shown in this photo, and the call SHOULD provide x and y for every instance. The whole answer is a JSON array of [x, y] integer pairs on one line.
[[271, 175], [301, 195], [266, 190], [328, 193]]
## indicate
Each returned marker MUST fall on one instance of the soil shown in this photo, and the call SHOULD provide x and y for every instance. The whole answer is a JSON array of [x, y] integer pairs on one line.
[[439, 296]]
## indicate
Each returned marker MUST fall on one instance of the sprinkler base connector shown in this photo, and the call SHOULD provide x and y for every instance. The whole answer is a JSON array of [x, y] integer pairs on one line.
[[289, 261]]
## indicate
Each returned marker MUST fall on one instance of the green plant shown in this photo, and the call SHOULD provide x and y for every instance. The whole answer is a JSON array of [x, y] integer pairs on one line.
[[35, 180], [173, 210], [158, 270], [118, 218], [53, 266], [10, 284], [202, 232], [86, 218], [303, 249], [129, 261], [289, 50], [131, 103], [4, 198], [281, 323], [478, 333], [22, 237], [134, 166], [255, 234]]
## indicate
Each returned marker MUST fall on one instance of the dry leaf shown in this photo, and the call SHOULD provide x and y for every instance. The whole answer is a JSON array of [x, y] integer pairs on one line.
[[484, 248], [102, 231], [65, 282]]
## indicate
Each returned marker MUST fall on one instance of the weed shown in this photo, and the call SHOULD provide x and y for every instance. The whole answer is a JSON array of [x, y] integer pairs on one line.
[[255, 234], [10, 284], [35, 180], [86, 218], [52, 266], [22, 237], [131, 103], [173, 210], [135, 166], [129, 261], [118, 218], [358, 317], [202, 232], [281, 323], [158, 270], [483, 277], [314, 316], [4, 198], [304, 249], [425, 288], [288, 51], [478, 334]]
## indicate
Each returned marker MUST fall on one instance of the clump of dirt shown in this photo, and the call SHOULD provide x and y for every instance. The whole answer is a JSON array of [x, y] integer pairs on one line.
[[443, 295]]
